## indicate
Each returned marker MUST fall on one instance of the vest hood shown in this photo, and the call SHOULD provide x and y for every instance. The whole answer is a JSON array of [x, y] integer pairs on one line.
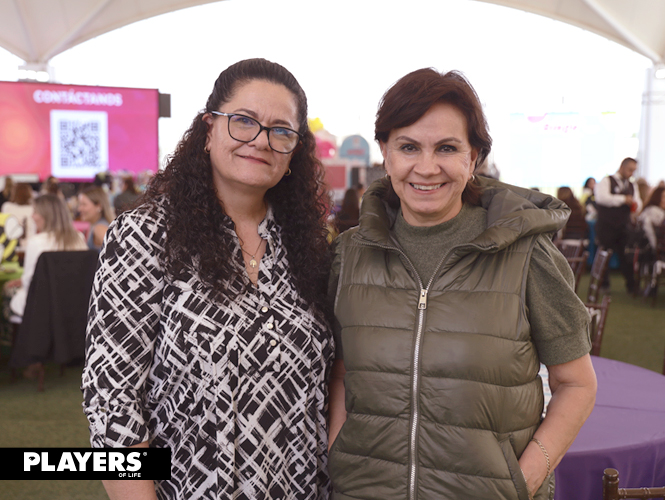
[[512, 213]]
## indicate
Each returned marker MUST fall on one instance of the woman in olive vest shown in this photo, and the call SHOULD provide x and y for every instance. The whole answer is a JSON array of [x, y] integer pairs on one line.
[[447, 297]]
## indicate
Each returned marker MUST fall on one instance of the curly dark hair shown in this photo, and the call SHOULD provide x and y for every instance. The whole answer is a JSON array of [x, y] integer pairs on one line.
[[200, 234]]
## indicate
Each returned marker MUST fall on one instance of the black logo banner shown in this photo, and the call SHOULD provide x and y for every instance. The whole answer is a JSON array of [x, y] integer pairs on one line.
[[85, 463]]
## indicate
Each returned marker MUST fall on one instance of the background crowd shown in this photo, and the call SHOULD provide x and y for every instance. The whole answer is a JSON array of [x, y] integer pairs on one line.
[[628, 219], [59, 216], [584, 207]]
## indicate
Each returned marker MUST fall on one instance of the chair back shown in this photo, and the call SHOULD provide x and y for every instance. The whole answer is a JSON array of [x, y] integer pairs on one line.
[[598, 315], [611, 490], [578, 265], [56, 309], [660, 241], [570, 248], [576, 256], [599, 268]]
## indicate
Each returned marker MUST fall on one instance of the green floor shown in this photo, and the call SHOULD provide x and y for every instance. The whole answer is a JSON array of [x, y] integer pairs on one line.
[[635, 333], [52, 418]]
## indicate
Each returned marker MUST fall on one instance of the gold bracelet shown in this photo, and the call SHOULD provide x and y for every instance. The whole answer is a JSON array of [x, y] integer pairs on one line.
[[547, 456]]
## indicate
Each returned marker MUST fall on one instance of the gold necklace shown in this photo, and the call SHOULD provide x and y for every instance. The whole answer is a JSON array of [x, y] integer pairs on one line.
[[252, 263]]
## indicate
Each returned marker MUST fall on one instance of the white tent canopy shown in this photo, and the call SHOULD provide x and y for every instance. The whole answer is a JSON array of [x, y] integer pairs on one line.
[[38, 30], [636, 24]]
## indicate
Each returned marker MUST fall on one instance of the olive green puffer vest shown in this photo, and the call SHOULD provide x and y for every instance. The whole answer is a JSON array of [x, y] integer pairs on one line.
[[442, 386]]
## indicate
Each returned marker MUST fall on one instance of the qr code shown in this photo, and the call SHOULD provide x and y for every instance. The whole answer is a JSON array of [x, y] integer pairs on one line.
[[79, 143]]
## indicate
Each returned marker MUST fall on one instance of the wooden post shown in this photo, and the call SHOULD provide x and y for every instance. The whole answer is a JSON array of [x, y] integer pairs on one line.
[[611, 484]]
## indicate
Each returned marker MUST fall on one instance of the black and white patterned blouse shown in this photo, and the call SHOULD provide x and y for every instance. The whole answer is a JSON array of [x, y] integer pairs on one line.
[[236, 390]]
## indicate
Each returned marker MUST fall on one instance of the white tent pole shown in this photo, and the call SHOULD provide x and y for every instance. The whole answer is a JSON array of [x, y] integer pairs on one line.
[[75, 30], [625, 33], [645, 134], [652, 129]]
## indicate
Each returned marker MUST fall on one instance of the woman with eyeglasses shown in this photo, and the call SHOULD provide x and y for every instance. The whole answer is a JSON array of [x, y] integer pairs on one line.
[[207, 333], [447, 297]]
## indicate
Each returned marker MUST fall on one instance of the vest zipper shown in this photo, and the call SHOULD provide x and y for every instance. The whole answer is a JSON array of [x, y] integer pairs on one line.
[[422, 302], [415, 381], [415, 400]]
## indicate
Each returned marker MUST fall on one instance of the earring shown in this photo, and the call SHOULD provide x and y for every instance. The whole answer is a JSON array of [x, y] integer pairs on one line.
[[288, 172], [206, 150]]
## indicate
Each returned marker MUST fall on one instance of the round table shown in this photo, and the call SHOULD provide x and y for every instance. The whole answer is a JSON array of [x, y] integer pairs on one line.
[[626, 431]]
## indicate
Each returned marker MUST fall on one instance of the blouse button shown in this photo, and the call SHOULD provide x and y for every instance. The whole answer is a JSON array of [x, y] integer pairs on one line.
[[264, 309], [273, 342], [269, 326]]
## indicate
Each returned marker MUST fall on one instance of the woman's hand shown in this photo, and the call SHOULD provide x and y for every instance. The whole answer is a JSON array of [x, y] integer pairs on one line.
[[573, 386], [336, 407]]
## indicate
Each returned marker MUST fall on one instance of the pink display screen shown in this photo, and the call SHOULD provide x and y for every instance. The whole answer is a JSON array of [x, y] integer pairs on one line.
[[74, 132]]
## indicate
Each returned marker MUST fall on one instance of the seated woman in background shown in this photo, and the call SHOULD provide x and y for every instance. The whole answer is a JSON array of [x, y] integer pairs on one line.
[[94, 207], [589, 199], [644, 189], [576, 227], [52, 186], [128, 197], [55, 232], [347, 217], [6, 193], [20, 205], [653, 215]]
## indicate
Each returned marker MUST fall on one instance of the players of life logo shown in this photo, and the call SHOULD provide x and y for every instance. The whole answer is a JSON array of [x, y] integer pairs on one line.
[[82, 461], [86, 463], [79, 143]]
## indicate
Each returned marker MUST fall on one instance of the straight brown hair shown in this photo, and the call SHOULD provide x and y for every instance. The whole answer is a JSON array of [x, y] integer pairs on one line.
[[413, 95]]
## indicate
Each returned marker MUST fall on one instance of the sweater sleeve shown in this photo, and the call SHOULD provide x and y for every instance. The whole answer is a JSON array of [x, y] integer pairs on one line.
[[559, 320], [123, 325]]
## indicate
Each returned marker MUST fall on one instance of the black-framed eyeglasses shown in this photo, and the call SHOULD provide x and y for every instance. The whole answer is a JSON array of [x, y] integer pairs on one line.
[[245, 129]]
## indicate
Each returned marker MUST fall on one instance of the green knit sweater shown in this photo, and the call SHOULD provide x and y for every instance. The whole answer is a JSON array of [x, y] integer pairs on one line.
[[553, 307]]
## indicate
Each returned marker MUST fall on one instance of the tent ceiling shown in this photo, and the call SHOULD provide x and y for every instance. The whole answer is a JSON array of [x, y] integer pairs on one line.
[[636, 24], [37, 30]]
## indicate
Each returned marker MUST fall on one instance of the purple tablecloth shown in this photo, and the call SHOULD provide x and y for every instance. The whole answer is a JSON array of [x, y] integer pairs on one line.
[[626, 431]]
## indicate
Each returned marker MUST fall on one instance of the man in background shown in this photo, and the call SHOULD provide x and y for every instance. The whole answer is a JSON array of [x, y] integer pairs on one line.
[[616, 198]]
